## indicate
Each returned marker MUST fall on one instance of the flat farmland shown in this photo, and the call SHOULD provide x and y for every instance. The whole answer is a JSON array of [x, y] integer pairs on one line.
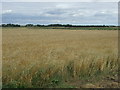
[[59, 58]]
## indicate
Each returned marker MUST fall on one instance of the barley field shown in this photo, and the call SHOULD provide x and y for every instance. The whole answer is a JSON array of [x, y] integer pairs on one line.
[[39, 58]]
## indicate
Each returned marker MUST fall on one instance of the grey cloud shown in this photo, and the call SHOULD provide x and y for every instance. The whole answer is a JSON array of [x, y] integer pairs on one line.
[[55, 12], [71, 13]]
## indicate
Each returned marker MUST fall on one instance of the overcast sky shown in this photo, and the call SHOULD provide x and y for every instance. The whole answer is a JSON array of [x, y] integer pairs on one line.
[[60, 12], [60, 0]]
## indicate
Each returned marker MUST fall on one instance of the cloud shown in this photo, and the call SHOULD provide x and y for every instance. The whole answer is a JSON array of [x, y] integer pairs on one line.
[[55, 12], [6, 11], [63, 6], [60, 0], [64, 13]]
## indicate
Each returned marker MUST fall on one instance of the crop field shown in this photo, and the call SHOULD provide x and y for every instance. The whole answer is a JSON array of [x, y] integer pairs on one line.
[[38, 58]]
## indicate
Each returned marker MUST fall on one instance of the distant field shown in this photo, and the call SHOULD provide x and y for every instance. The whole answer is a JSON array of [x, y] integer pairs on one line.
[[59, 58]]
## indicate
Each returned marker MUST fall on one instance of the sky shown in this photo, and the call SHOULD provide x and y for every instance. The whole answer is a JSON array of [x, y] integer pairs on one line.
[[76, 13], [60, 0]]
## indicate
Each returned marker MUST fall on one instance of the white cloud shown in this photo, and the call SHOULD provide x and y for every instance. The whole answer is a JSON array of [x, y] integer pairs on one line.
[[63, 6], [74, 13], [6, 11]]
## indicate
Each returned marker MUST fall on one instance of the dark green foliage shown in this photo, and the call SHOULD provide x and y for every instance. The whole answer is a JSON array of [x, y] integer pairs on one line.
[[29, 25], [10, 25], [65, 26]]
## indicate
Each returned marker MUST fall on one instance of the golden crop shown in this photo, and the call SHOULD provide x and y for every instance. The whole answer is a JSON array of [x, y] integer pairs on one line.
[[34, 57]]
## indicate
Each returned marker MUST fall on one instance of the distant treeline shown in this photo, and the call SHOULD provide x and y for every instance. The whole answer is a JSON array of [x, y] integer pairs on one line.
[[54, 25], [10, 25]]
